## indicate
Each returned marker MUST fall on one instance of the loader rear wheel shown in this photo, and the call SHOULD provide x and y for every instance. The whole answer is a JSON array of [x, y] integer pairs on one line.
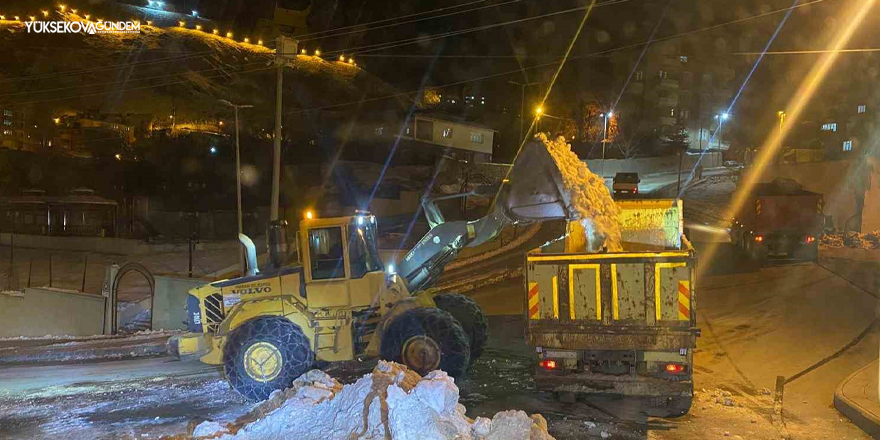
[[427, 339], [471, 317], [264, 355]]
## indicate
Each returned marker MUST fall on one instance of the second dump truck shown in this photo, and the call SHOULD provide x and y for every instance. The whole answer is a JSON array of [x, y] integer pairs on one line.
[[620, 323]]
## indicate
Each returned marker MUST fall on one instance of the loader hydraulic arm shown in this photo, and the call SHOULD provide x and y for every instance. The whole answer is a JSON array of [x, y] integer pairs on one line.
[[533, 191], [424, 263]]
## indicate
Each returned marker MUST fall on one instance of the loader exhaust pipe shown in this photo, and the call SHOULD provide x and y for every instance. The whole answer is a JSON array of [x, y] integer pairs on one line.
[[250, 254]]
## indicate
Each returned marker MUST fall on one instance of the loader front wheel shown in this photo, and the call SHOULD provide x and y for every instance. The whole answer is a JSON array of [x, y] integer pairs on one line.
[[264, 355], [471, 317], [427, 339]]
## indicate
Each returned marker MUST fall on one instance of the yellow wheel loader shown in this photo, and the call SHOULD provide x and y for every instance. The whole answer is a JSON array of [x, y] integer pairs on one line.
[[339, 303]]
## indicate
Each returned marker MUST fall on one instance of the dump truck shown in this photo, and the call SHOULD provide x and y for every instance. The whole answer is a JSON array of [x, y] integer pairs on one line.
[[338, 302], [619, 323], [779, 219]]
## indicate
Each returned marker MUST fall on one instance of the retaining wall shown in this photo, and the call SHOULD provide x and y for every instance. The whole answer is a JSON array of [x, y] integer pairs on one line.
[[39, 312]]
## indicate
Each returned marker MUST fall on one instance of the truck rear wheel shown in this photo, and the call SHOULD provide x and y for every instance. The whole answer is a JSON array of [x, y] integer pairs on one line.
[[427, 339], [471, 317], [264, 355]]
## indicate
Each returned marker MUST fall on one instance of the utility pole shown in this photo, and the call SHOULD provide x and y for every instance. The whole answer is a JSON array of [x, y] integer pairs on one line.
[[276, 155], [605, 115], [285, 49], [522, 103], [241, 264]]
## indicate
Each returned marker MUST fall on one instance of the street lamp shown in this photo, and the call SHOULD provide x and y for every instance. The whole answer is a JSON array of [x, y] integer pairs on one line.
[[605, 116], [781, 115], [238, 178], [721, 118]]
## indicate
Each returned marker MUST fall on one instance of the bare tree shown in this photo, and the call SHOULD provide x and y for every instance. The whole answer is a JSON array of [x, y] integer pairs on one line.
[[629, 144]]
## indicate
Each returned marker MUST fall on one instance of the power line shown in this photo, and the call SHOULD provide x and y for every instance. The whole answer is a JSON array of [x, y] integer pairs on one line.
[[407, 41], [393, 18], [40, 101], [809, 52], [106, 83], [449, 14], [552, 63], [538, 66]]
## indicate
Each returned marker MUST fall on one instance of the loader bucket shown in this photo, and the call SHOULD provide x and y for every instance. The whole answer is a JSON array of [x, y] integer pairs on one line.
[[533, 190]]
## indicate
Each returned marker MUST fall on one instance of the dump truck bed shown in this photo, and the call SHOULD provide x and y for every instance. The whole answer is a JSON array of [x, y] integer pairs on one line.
[[618, 322]]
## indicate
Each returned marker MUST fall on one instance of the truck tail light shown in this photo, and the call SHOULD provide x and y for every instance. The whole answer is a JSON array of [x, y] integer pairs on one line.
[[809, 239], [548, 364], [759, 238], [636, 190], [674, 368]]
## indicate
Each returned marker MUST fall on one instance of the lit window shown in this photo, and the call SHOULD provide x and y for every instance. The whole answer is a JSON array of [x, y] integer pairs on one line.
[[477, 138], [380, 130], [672, 112], [662, 74], [683, 58], [7, 112], [7, 122], [863, 109], [408, 131], [639, 75], [685, 113], [847, 145], [831, 126], [447, 132]]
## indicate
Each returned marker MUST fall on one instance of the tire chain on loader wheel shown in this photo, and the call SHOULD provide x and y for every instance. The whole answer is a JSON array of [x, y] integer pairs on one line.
[[427, 339], [471, 317], [261, 343]]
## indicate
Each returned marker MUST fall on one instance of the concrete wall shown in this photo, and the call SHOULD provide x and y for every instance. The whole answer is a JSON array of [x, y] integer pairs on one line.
[[844, 184], [653, 165], [105, 245], [169, 303], [41, 312]]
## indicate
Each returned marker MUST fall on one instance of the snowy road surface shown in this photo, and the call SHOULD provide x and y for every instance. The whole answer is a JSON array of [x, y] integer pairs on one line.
[[757, 324], [812, 324]]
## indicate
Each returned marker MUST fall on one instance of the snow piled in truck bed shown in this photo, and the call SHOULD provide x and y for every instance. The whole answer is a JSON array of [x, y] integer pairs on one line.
[[392, 402], [590, 199]]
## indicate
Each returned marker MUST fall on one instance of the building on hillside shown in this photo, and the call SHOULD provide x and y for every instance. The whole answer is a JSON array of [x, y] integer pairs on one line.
[[16, 131], [79, 213], [83, 133], [466, 140], [670, 85]]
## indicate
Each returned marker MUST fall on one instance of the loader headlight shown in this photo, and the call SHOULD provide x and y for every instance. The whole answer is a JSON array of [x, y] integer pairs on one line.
[[391, 270]]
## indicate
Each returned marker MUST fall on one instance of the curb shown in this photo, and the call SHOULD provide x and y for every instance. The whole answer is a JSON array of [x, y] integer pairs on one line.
[[87, 351], [859, 415]]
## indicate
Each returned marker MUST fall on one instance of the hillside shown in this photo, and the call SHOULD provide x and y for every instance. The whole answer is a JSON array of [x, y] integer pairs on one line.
[[166, 69]]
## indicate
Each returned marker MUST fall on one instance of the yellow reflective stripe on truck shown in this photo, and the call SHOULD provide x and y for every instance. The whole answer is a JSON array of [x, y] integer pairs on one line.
[[615, 306], [607, 256], [657, 268], [555, 298]]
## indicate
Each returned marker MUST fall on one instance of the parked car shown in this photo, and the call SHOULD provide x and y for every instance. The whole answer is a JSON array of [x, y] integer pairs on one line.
[[732, 164], [626, 184]]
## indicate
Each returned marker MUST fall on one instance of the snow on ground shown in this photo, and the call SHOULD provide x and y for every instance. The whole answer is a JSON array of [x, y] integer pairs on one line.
[[590, 198], [857, 240], [391, 402]]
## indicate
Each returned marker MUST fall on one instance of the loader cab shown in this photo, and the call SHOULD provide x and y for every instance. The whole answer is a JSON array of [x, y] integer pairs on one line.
[[340, 259]]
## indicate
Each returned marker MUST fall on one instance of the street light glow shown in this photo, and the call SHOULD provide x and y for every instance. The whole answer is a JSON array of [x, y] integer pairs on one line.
[[62, 7], [195, 13], [45, 13], [539, 111], [610, 114], [229, 35], [213, 150], [725, 116], [216, 31]]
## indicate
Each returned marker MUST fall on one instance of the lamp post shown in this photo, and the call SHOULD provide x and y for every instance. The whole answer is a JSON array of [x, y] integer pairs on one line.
[[721, 117], [606, 116], [238, 178], [781, 115]]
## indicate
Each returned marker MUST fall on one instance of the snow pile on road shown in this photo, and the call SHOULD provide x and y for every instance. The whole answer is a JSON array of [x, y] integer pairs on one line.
[[390, 403], [857, 240], [590, 198]]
